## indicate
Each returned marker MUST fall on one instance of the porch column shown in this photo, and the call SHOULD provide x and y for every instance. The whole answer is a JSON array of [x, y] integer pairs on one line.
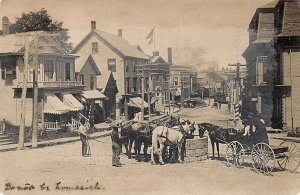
[[92, 113], [118, 113], [125, 108]]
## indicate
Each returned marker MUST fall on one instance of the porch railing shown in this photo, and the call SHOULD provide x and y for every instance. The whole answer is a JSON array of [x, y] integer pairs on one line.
[[52, 125], [74, 125], [52, 84]]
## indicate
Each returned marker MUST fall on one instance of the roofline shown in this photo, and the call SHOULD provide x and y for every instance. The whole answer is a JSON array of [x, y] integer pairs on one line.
[[81, 42], [56, 54], [105, 42]]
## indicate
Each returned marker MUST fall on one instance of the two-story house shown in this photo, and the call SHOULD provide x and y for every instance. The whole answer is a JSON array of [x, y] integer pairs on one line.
[[112, 54], [58, 92]]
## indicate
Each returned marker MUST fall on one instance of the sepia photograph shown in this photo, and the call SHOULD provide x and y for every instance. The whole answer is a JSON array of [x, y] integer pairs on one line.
[[149, 97]]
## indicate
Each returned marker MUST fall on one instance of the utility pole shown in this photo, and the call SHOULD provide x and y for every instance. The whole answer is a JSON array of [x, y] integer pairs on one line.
[[24, 93], [237, 86], [173, 100], [143, 89], [181, 88], [149, 98], [35, 91]]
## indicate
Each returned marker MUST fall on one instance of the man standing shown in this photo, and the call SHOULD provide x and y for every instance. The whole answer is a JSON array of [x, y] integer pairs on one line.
[[84, 139], [116, 142]]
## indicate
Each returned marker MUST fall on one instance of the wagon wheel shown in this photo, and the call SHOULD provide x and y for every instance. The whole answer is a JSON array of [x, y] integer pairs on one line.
[[263, 158], [235, 154], [291, 159]]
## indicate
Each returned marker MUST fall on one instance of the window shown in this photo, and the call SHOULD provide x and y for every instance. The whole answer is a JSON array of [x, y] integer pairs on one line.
[[111, 63], [261, 70], [135, 84], [127, 86], [68, 72], [92, 82], [48, 70], [82, 79], [176, 81], [8, 70], [95, 47]]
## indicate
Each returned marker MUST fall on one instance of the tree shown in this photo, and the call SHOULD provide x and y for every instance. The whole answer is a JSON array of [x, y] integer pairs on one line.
[[41, 21]]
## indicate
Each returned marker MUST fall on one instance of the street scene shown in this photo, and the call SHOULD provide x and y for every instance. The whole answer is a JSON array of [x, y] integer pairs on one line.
[[160, 97]]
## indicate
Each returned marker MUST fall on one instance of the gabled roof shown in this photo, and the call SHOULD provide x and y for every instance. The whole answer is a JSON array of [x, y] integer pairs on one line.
[[157, 59], [107, 83], [118, 44], [91, 62], [291, 20], [9, 43], [14, 43]]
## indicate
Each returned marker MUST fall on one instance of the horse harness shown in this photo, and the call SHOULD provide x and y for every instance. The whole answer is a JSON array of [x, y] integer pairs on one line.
[[168, 140]]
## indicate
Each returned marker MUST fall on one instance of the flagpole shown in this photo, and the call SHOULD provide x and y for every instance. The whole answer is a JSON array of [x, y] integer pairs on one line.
[[154, 37]]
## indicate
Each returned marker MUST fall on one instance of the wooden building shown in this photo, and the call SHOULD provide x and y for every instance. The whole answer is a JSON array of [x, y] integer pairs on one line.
[[58, 92], [272, 57], [112, 54]]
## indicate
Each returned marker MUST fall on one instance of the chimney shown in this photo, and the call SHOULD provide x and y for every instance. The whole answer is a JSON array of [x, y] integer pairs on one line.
[[93, 25], [120, 32], [156, 53], [5, 25], [170, 55]]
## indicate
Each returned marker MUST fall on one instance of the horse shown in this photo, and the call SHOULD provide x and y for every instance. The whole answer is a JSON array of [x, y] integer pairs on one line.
[[163, 136], [130, 132], [143, 135], [219, 135], [216, 135]]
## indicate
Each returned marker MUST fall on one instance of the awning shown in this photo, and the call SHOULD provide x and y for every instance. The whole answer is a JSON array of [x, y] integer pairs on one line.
[[137, 102], [93, 95], [53, 105], [72, 103]]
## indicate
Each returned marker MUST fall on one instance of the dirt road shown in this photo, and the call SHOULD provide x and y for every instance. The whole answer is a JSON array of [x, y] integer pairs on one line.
[[63, 166]]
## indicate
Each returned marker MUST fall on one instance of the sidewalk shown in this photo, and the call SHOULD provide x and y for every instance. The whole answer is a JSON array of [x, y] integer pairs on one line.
[[12, 147]]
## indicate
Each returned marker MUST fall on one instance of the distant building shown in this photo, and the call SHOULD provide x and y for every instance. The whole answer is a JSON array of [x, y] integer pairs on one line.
[[156, 74], [272, 63], [180, 82]]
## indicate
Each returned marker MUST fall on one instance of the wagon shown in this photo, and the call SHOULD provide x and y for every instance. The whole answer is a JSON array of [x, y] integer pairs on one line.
[[264, 156]]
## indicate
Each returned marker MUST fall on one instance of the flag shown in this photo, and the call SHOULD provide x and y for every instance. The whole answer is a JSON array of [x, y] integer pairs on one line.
[[150, 35], [150, 41]]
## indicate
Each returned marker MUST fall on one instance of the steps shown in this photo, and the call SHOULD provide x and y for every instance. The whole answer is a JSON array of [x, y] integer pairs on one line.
[[4, 140]]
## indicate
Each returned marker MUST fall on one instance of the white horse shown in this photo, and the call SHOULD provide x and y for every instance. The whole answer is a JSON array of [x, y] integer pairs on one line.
[[163, 136]]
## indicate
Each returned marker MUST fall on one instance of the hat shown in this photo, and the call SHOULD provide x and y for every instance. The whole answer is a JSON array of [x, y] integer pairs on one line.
[[116, 124]]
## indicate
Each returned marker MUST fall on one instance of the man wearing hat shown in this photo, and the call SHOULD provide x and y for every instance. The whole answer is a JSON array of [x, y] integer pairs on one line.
[[84, 139], [116, 142]]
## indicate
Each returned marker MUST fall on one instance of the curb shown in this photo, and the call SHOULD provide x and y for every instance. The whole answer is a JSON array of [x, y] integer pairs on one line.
[[53, 142]]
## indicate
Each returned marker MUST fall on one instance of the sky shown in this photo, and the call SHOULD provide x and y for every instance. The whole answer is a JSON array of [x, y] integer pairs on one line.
[[203, 34]]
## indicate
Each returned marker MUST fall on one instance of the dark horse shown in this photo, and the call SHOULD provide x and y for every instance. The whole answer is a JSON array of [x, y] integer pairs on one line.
[[218, 135]]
